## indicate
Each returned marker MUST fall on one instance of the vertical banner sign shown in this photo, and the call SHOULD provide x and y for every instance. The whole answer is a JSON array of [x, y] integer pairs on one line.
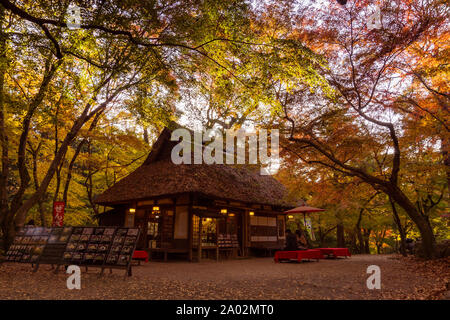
[[58, 213], [308, 225]]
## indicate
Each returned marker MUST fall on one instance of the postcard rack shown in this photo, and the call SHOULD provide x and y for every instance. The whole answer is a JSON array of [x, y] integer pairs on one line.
[[101, 247]]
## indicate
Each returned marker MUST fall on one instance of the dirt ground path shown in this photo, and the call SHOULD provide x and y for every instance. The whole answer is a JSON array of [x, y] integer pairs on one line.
[[254, 278]]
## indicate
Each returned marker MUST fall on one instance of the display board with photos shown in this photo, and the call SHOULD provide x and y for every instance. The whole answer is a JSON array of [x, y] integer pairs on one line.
[[55, 245], [29, 244], [105, 247], [88, 245], [101, 246], [122, 247]]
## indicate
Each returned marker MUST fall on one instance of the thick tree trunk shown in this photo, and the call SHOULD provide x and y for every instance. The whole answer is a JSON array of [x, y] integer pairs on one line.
[[8, 235], [4, 174], [340, 237], [426, 232], [4, 206]]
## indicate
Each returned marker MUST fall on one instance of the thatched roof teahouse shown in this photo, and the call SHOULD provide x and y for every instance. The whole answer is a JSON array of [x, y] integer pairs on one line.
[[233, 208]]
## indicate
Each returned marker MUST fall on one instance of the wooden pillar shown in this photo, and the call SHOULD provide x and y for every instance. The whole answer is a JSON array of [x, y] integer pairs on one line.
[[144, 233], [199, 245], [191, 231], [244, 233], [217, 239]]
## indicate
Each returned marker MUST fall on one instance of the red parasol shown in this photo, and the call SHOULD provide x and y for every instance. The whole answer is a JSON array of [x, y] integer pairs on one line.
[[304, 210]]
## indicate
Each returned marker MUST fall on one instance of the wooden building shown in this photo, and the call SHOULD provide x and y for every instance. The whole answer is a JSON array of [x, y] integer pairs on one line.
[[197, 209]]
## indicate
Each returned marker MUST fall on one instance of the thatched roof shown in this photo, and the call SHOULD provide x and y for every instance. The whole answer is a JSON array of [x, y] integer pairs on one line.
[[158, 176]]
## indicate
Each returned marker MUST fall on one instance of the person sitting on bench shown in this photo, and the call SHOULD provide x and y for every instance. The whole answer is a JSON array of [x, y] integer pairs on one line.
[[301, 240], [291, 241]]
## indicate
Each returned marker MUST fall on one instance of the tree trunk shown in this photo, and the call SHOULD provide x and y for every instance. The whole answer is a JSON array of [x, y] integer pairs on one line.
[[58, 181], [4, 174], [69, 171], [359, 233], [426, 232], [360, 240], [321, 236], [379, 241], [445, 145], [340, 235], [58, 171], [8, 235], [401, 230], [21, 213], [89, 185], [75, 156], [34, 154], [353, 240], [49, 73], [366, 240]]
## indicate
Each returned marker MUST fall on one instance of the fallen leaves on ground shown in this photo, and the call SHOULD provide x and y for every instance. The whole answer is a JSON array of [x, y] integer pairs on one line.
[[256, 278]]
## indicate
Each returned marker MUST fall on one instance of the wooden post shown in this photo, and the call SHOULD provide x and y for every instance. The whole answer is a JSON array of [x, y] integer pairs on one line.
[[191, 233], [217, 239], [244, 233], [199, 246], [145, 231]]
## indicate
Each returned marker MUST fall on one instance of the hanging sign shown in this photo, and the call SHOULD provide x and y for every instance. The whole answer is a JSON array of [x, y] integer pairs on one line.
[[58, 213]]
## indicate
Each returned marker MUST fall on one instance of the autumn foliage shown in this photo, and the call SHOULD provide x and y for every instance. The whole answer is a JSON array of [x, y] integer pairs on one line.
[[363, 111]]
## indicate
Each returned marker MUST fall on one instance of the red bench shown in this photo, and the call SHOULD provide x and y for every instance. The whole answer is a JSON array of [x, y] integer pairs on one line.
[[298, 255], [140, 255], [335, 252]]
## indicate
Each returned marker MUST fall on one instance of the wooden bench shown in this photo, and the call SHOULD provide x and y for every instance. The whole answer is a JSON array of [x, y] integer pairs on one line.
[[165, 251], [266, 251]]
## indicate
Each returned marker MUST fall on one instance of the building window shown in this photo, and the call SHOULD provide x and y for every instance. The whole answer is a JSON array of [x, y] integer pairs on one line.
[[209, 235]]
